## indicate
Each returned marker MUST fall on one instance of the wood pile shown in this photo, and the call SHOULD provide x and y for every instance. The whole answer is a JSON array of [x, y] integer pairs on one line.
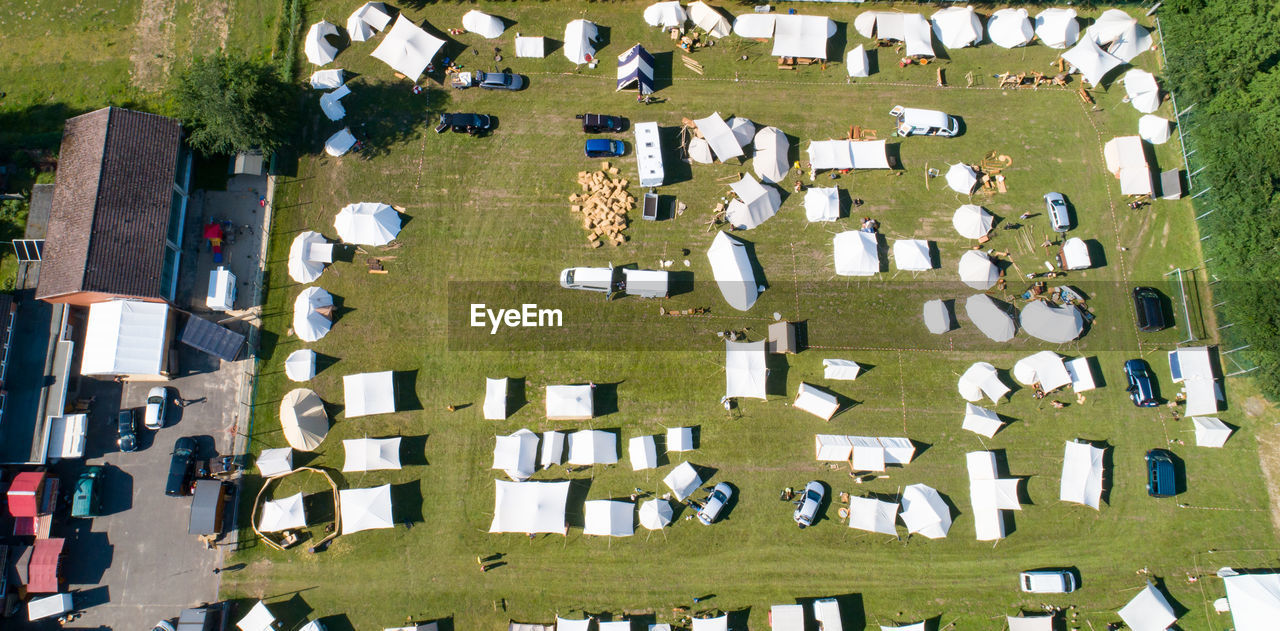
[[603, 203]]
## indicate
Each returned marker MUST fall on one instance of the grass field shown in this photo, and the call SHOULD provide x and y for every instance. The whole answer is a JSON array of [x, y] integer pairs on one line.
[[494, 209]]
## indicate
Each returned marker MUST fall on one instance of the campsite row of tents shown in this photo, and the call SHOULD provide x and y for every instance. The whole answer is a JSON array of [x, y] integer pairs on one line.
[[305, 422], [523, 453], [1040, 319]]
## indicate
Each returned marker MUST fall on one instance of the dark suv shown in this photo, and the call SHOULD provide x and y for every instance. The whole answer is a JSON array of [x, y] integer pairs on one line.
[[127, 430], [602, 123], [180, 465], [1148, 309], [1161, 480], [464, 123], [1141, 389], [499, 80]]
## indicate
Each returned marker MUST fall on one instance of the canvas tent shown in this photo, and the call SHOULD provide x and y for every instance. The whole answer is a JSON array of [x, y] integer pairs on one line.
[[1127, 160], [608, 518], [803, 36], [1210, 432], [925, 512], [1045, 368], [754, 204], [912, 255], [709, 19], [367, 223], [719, 137], [856, 253], [1154, 129], [910, 28], [643, 452], [127, 338], [856, 62], [1149, 610], [1081, 374], [719, 623], [978, 271], [366, 21], [303, 419], [369, 393], [1141, 90], [656, 514], [1010, 28], [1093, 63], [786, 617], [300, 365], [822, 204], [665, 14], [770, 159], [529, 507], [731, 266], [1081, 475], [754, 25], [992, 320], [552, 449], [915, 626], [817, 402], [841, 369], [326, 79], [961, 178], [1057, 28], [1075, 254], [371, 454], [679, 439], [307, 255], [1254, 599], [331, 103], [495, 399], [1193, 367], [259, 618], [532, 47], [565, 624], [366, 509], [483, 24], [340, 142], [957, 27], [283, 514], [873, 515], [937, 318], [570, 403], [1052, 323], [744, 370], [318, 49], [407, 48], [864, 453], [826, 612], [1030, 623], [683, 480], [988, 495], [972, 221], [579, 41], [1120, 33], [310, 319], [848, 154], [981, 421], [593, 446], [635, 70], [274, 462], [981, 379]]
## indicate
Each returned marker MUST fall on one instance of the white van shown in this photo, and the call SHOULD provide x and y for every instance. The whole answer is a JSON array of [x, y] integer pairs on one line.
[[913, 122], [609, 280]]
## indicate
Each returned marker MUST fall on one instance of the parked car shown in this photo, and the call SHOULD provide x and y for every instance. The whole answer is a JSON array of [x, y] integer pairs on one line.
[[807, 510], [1148, 308], [180, 465], [86, 500], [127, 430], [465, 123], [917, 122], [163, 625], [1161, 476], [1056, 207], [604, 148], [157, 401], [499, 80], [1141, 389], [1047, 581], [602, 123], [711, 508]]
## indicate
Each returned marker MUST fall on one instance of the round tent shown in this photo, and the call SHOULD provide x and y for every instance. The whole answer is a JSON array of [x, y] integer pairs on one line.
[[310, 321], [1141, 89], [303, 419], [307, 256], [700, 151], [962, 178], [1010, 28], [709, 19], [937, 318], [993, 321], [977, 270], [318, 49], [367, 223], [579, 38], [1052, 323], [971, 221], [981, 379], [770, 160], [300, 365], [656, 514], [957, 27], [1057, 28], [665, 14], [483, 24], [1154, 129]]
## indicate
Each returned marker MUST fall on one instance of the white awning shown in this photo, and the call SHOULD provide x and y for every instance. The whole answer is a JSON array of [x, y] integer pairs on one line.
[[925, 512], [366, 21], [1120, 33], [1149, 611], [1082, 475], [407, 48], [366, 509], [957, 27], [786, 618], [529, 507], [709, 19], [755, 203], [683, 481], [665, 14], [821, 404], [856, 253], [980, 420], [770, 160], [873, 515], [1210, 432], [732, 269], [340, 142], [608, 518], [1141, 89], [593, 446], [822, 204], [318, 49], [371, 454], [961, 178], [978, 271], [1254, 599], [679, 439], [369, 393], [570, 403], [643, 452], [972, 221], [856, 62], [719, 136], [912, 255], [283, 514], [1010, 28], [483, 24], [841, 369], [982, 379], [1045, 368], [992, 320], [367, 223], [744, 370], [802, 36], [1093, 63], [273, 462], [126, 337], [495, 399], [937, 318], [1057, 28]]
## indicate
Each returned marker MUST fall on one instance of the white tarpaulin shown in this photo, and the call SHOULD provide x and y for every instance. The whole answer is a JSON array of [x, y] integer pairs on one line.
[[679, 439], [643, 452], [978, 271], [856, 62], [608, 518], [369, 393], [912, 255], [873, 515], [961, 178], [516, 454], [552, 449], [331, 103], [731, 267], [803, 36], [656, 514], [848, 154], [980, 420], [1149, 611], [1010, 28], [303, 419], [971, 221], [709, 19], [534, 47], [340, 142], [529, 507], [283, 514], [770, 160], [1120, 33], [1075, 254], [957, 27], [821, 404], [755, 203], [326, 79], [1254, 599], [743, 130], [1081, 475], [366, 509], [126, 337], [1192, 366], [483, 24], [1141, 90], [1154, 129], [1030, 623], [719, 137], [366, 21], [1127, 160], [856, 253], [981, 379], [579, 41], [273, 462], [318, 49], [925, 512], [1052, 323], [992, 320], [570, 403], [309, 324], [495, 399], [988, 495], [840, 369], [367, 223], [1210, 432], [745, 372], [937, 318], [593, 446], [1057, 28], [786, 618], [407, 48], [665, 14], [1045, 368], [371, 454], [307, 255], [1093, 63], [910, 28], [822, 204], [683, 481]]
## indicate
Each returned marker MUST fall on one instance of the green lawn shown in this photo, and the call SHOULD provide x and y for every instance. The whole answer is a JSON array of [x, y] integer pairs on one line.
[[494, 210]]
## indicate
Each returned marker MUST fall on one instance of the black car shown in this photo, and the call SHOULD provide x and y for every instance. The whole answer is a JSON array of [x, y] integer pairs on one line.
[[601, 123], [1161, 476], [127, 430], [180, 465], [463, 123], [1148, 308], [1141, 389], [499, 80]]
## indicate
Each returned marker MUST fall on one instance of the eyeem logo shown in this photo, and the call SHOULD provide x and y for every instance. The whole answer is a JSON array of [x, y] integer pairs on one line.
[[527, 316]]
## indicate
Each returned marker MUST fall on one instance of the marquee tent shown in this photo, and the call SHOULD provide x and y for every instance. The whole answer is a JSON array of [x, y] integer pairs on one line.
[[744, 370], [937, 318], [1057, 28], [656, 514], [369, 393], [1081, 475], [366, 21], [1254, 599], [274, 462], [1127, 160], [608, 518], [371, 454], [912, 255], [719, 137], [126, 337], [1075, 254], [679, 439], [865, 453], [755, 203], [318, 49], [826, 612], [529, 507], [1120, 33], [643, 452], [552, 449], [310, 322], [786, 618], [579, 41], [978, 271], [732, 269], [754, 25], [307, 255], [961, 178], [1052, 323], [534, 47], [259, 618], [972, 221], [719, 623], [957, 27], [873, 515], [495, 399], [841, 369], [303, 419], [856, 253], [988, 495], [925, 512], [367, 223], [1045, 368], [992, 320], [981, 421], [326, 79], [856, 62], [1154, 129], [283, 514], [407, 48], [1148, 611], [817, 402], [1010, 28], [593, 446], [340, 142], [709, 19], [1193, 367], [331, 103], [848, 154], [909, 28], [635, 70], [822, 204], [803, 36], [770, 159], [483, 24], [1210, 432], [1093, 63], [366, 509], [1141, 89], [665, 14], [1030, 623], [981, 379], [683, 481], [570, 403]]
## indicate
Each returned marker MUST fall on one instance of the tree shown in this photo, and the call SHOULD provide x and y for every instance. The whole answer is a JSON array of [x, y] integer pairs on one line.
[[232, 105]]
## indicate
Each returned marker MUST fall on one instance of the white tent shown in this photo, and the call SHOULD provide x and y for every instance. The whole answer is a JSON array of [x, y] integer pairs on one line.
[[821, 404], [826, 612], [962, 178], [1052, 323], [755, 203], [579, 41], [1127, 160], [1154, 129], [1210, 432], [1081, 475], [980, 420], [529, 507], [957, 27], [1192, 366], [331, 103], [683, 481], [483, 24], [981, 379], [643, 452], [743, 130], [856, 62], [832, 448], [754, 25], [495, 399], [318, 49], [126, 337], [1254, 599], [731, 267], [340, 142], [720, 623], [259, 618], [915, 626], [700, 151], [326, 79], [367, 21], [971, 221], [925, 512], [371, 454], [909, 28], [803, 36], [679, 439], [366, 509], [565, 624], [369, 393], [1057, 28], [1120, 33], [719, 137], [283, 514], [1141, 89], [873, 515], [912, 255], [770, 160], [608, 518], [1149, 611], [978, 271], [367, 223], [570, 403], [534, 47], [1075, 254], [937, 318], [1010, 28], [856, 253], [1045, 368], [709, 19], [1030, 623], [993, 321], [656, 514], [841, 369], [988, 495], [1093, 63], [407, 48], [848, 154], [307, 255], [303, 419], [1081, 374], [745, 372], [593, 446], [309, 324], [786, 618], [866, 453], [273, 462], [665, 14], [822, 204], [552, 449]]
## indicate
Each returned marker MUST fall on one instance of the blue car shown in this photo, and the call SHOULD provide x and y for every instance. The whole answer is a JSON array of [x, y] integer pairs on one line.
[[604, 148], [1161, 480], [1141, 390]]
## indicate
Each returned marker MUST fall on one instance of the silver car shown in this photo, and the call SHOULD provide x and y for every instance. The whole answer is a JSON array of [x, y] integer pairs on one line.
[[711, 508], [807, 510], [157, 399], [1059, 217]]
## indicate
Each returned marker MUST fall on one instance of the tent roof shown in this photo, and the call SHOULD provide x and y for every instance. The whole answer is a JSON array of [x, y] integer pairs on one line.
[[771, 150], [308, 323], [719, 623], [988, 495], [326, 79], [1148, 611], [1121, 33], [912, 255], [516, 454], [574, 402], [856, 62], [910, 28], [1140, 86], [366, 509], [1210, 432], [1093, 63], [977, 270], [1010, 28], [957, 27], [801, 35], [306, 264], [483, 24], [1030, 623], [744, 369], [1154, 129], [719, 136], [407, 48], [300, 365], [756, 203], [856, 253], [369, 393], [679, 439], [842, 369], [303, 419], [731, 266], [495, 399], [1254, 599], [1057, 28], [273, 462], [665, 14], [533, 47], [1082, 475], [317, 49], [578, 37], [989, 317], [340, 142], [566, 624], [367, 20], [1052, 323], [283, 514], [683, 480], [656, 514], [980, 420], [126, 337], [925, 512], [529, 507], [593, 446], [1127, 160], [817, 402], [552, 449], [330, 103], [982, 379], [937, 318], [367, 223], [1045, 368], [961, 178], [822, 204], [609, 518], [971, 221], [259, 618], [1075, 253], [873, 515], [643, 452], [786, 617], [371, 454], [709, 19]]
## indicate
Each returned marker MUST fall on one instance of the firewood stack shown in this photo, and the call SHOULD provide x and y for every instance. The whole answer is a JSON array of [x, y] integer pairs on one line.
[[603, 203]]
